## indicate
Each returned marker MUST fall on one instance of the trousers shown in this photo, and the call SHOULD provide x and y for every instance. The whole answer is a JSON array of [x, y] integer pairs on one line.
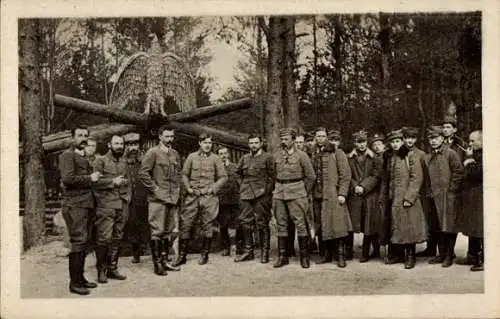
[[294, 209], [205, 208]]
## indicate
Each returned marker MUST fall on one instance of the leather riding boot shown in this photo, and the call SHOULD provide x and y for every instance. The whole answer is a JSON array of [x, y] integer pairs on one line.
[[181, 259], [304, 252], [339, 245], [113, 272], [349, 246], [75, 284], [282, 249], [249, 246], [431, 248], [102, 263], [376, 247], [442, 250], [291, 239], [265, 244], [477, 251], [328, 257], [165, 246], [205, 250], [81, 271], [225, 242], [321, 247], [450, 250], [409, 256], [394, 254], [156, 255], [239, 240], [136, 253], [365, 250]]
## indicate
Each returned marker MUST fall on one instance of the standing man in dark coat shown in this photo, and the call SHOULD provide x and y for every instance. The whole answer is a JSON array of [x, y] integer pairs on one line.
[[294, 181], [470, 219], [449, 127], [203, 175], [256, 170], [77, 204], [160, 173], [228, 201], [446, 174], [363, 200], [137, 229], [111, 209]]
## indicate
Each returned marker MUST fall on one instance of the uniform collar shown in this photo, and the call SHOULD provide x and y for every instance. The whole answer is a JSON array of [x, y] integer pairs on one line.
[[79, 152], [368, 152], [201, 153], [164, 148], [259, 152], [109, 154]]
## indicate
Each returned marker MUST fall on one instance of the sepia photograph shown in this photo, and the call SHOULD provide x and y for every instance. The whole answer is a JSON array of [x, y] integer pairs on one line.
[[270, 155]]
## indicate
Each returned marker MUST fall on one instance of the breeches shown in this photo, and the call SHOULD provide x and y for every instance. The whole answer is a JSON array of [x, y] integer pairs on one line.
[[296, 210], [206, 208], [258, 210], [163, 220], [79, 223], [109, 225]]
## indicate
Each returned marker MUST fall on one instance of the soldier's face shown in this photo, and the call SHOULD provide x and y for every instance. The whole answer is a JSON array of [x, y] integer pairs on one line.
[[396, 143], [321, 138], [80, 139], [206, 145], [224, 154], [90, 148], [132, 147], [475, 141], [299, 142], [335, 142], [286, 141], [436, 141], [254, 144], [448, 129], [378, 147], [361, 146], [167, 137], [410, 141], [116, 145]]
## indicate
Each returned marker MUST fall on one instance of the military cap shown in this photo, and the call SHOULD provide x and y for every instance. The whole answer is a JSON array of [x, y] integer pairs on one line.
[[394, 135], [410, 131], [434, 131], [334, 135], [288, 131], [377, 137], [361, 136], [449, 119], [309, 136], [131, 137]]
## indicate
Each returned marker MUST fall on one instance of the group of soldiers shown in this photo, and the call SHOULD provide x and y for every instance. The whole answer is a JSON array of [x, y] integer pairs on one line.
[[315, 192]]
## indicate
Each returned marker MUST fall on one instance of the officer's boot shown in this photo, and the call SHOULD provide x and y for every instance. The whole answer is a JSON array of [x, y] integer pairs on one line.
[[341, 258], [181, 259], [164, 256], [136, 253], [113, 272], [265, 244], [431, 248], [328, 257], [349, 246], [239, 240], [225, 241], [304, 251], [205, 250], [156, 256], [365, 250], [450, 251], [248, 253], [477, 251], [376, 247], [283, 256], [469, 259], [409, 256], [75, 284], [81, 271], [321, 246], [442, 250], [291, 239], [102, 263]]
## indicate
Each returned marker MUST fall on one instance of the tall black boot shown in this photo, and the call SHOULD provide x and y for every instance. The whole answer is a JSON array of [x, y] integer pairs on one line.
[[248, 253], [265, 237], [442, 250], [304, 251], [469, 259], [365, 250], [395, 254], [165, 246], [282, 257], [75, 284], [328, 257], [225, 242], [376, 246], [113, 272], [341, 258], [182, 258], [136, 253], [349, 246], [102, 263], [477, 252], [81, 271], [239, 240], [409, 256], [450, 250], [321, 247], [156, 255], [205, 250], [431, 248], [291, 239]]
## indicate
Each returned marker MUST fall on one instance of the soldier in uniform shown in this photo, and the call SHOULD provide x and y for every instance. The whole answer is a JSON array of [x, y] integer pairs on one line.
[[445, 175], [331, 214], [203, 175], [377, 143], [77, 204], [470, 219], [257, 181], [228, 201], [137, 228], [449, 126], [310, 142], [160, 173], [334, 138], [363, 200], [111, 212], [90, 153], [90, 149], [294, 181]]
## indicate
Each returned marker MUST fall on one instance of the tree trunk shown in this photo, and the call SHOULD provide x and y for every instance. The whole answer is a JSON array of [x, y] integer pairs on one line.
[[274, 107], [32, 110], [289, 94], [338, 61], [385, 72], [260, 76]]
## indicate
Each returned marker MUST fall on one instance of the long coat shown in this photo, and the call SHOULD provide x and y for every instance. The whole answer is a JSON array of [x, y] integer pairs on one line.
[[366, 173], [470, 218], [405, 177], [446, 174], [335, 218]]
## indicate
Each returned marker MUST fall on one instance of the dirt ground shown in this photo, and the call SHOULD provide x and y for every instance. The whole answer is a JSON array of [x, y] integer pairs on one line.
[[45, 275]]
